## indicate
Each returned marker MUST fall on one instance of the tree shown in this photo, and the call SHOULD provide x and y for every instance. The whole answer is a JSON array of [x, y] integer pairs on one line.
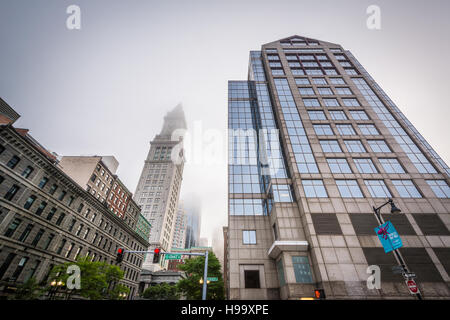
[[163, 291], [194, 268], [99, 280], [29, 290]]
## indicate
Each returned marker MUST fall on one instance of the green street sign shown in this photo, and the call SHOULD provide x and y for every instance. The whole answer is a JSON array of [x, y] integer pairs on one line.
[[212, 279], [172, 256]]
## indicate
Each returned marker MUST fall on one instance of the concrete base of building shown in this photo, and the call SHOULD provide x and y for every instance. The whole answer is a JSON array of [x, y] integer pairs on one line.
[[342, 290]]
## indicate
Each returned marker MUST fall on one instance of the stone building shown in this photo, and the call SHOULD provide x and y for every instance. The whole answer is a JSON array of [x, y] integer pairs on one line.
[[46, 218], [331, 146]]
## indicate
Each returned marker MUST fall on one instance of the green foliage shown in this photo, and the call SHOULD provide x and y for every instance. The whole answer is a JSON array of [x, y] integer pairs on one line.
[[29, 290], [117, 290], [191, 286], [163, 291], [99, 280]]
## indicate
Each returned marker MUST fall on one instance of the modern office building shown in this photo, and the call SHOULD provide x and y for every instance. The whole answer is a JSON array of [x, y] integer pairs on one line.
[[314, 145], [179, 232], [47, 219], [192, 206], [159, 186]]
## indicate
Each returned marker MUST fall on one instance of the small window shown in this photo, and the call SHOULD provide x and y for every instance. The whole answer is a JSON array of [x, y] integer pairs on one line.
[[60, 219], [314, 189], [306, 91], [351, 71], [71, 199], [53, 189], [314, 72], [378, 146], [345, 129], [343, 91], [41, 208], [440, 188], [282, 193], [331, 102], [330, 146], [349, 189], [391, 165], [338, 115], [302, 269], [325, 91], [377, 189], [350, 102], [337, 81], [12, 163], [359, 115], [311, 102], [26, 173], [12, 227], [249, 236], [252, 279], [319, 81], [302, 81], [317, 115], [406, 189], [365, 165], [43, 182], [368, 129], [29, 202], [354, 146], [323, 129], [62, 195], [339, 165], [280, 270], [51, 214]]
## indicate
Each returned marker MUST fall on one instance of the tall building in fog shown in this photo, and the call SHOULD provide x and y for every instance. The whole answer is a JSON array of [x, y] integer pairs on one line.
[[159, 185], [300, 202]]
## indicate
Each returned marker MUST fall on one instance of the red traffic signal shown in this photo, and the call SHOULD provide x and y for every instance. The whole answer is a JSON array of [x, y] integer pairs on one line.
[[319, 294], [156, 255], [120, 253]]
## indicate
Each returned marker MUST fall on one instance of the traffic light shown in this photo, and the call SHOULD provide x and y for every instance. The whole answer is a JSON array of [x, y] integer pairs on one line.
[[120, 253], [156, 255], [319, 294]]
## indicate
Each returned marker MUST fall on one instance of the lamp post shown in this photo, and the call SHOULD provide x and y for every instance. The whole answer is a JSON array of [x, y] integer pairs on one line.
[[396, 252], [122, 295], [55, 285]]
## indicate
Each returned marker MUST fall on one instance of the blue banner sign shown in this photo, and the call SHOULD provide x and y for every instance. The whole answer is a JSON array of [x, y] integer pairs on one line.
[[388, 236]]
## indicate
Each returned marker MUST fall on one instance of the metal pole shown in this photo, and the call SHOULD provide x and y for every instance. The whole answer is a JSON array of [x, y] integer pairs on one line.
[[205, 276], [396, 253]]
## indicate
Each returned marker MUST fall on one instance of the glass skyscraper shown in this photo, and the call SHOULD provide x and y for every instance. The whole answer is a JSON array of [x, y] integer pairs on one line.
[[314, 145]]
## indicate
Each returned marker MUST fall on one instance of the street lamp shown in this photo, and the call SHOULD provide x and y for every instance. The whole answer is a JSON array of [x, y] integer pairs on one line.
[[122, 295], [55, 285], [400, 261]]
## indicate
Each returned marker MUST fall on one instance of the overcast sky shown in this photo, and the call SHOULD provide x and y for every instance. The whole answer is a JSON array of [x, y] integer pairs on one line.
[[105, 89]]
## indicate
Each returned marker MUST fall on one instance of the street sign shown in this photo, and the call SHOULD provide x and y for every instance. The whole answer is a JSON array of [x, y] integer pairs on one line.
[[212, 279], [409, 275], [412, 286], [388, 236], [172, 256]]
